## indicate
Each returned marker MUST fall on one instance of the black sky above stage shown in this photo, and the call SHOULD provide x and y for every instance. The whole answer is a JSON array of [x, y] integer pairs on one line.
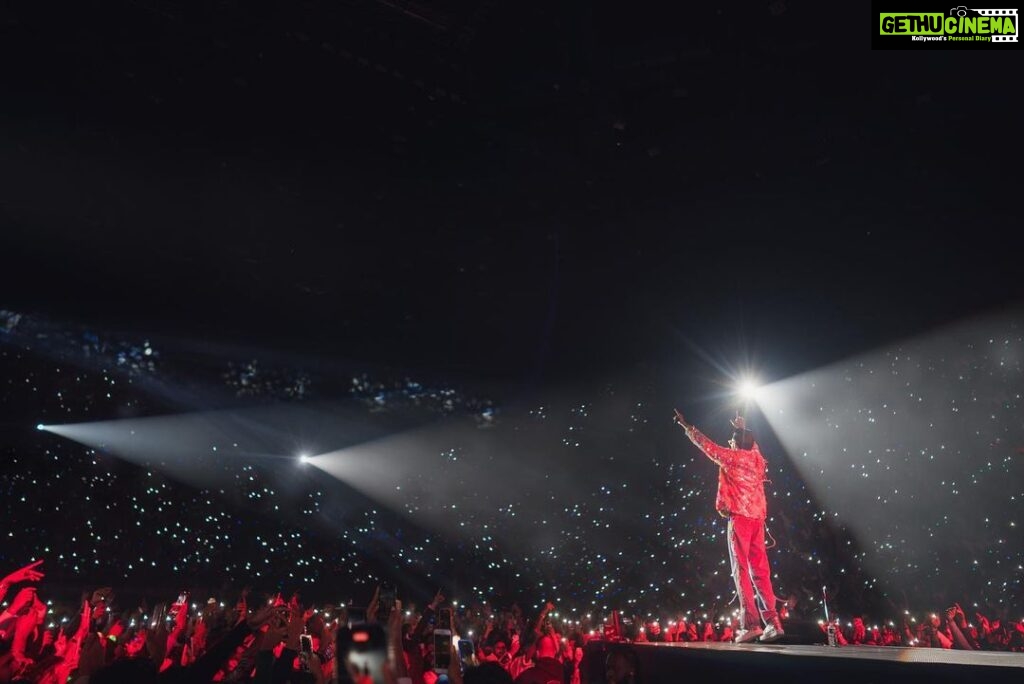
[[505, 191]]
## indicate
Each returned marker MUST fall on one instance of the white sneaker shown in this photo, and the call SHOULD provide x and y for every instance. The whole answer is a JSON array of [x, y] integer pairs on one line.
[[772, 633], [745, 636]]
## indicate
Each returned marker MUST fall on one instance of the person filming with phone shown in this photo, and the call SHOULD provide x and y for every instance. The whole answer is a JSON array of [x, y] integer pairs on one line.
[[546, 665]]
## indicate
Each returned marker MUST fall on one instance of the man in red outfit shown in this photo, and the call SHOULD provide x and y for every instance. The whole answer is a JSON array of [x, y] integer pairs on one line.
[[741, 476]]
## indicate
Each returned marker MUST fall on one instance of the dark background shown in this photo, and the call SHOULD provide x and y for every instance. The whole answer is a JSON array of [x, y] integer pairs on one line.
[[523, 192], [610, 204]]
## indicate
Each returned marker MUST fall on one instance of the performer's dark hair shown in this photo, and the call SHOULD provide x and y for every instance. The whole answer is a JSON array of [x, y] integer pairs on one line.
[[744, 439]]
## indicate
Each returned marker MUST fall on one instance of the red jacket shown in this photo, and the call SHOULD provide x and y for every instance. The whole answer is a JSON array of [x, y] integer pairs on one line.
[[741, 477]]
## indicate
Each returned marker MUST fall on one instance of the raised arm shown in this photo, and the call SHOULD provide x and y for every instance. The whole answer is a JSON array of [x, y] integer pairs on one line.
[[721, 455], [538, 626], [29, 573], [206, 666], [953, 616]]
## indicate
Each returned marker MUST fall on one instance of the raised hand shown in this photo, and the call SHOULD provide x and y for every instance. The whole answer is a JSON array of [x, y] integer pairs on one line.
[[454, 663], [316, 668], [396, 658], [29, 573], [156, 643], [275, 634], [681, 421], [295, 626], [371, 609], [60, 645], [395, 618], [241, 608], [26, 596], [265, 614]]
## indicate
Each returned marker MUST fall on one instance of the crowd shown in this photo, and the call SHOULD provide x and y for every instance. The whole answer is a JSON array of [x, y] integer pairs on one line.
[[275, 639], [622, 563], [622, 517]]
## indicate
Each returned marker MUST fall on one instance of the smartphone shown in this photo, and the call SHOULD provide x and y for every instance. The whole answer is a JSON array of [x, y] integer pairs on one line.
[[356, 616], [386, 602], [467, 653], [159, 612], [180, 604], [362, 651], [444, 619], [442, 649], [305, 650]]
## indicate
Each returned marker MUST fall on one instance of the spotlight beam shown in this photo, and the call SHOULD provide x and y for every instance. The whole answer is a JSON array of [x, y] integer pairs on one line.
[[748, 390]]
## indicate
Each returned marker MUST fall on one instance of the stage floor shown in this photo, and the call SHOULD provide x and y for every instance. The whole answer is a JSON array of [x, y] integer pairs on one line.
[[896, 654], [714, 661]]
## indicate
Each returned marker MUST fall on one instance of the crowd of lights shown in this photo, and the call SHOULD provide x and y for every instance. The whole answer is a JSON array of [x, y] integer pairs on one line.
[[649, 544]]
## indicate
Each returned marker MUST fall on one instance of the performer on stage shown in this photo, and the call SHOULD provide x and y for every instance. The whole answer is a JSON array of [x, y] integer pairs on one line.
[[741, 476]]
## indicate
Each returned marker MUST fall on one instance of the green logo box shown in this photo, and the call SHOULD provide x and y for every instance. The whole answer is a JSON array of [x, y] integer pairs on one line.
[[929, 25]]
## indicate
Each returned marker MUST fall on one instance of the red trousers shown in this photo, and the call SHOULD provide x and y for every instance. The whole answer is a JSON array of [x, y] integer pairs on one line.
[[750, 571]]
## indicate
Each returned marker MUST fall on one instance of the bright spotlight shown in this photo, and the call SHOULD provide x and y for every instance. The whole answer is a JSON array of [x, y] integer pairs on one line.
[[303, 458], [40, 426], [748, 389]]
